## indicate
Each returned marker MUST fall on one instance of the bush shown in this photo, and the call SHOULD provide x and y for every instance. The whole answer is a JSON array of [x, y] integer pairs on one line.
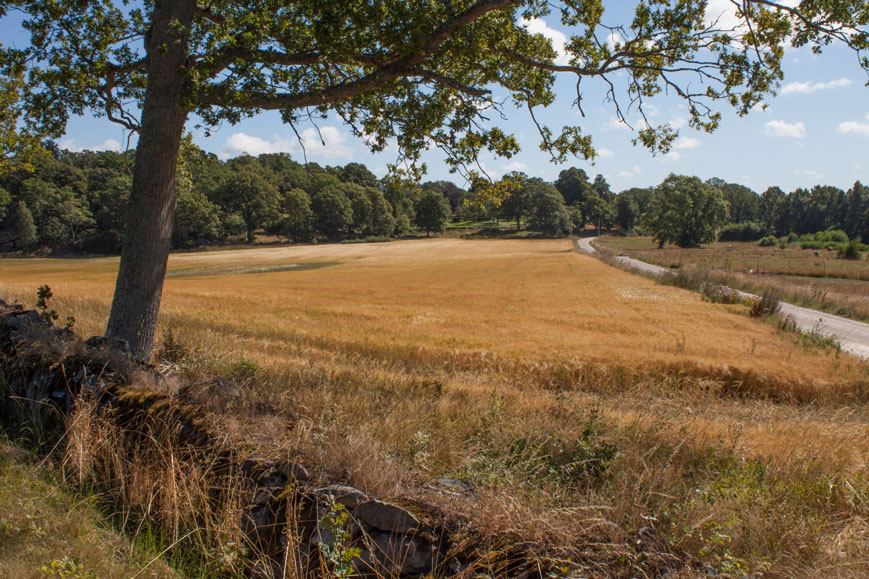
[[746, 231], [850, 251], [768, 241]]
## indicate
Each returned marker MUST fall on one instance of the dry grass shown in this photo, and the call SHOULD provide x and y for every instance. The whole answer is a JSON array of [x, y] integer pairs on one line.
[[813, 278], [45, 526], [518, 366]]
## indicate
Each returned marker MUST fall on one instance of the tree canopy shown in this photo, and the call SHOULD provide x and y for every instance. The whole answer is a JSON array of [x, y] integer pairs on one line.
[[685, 211], [419, 73]]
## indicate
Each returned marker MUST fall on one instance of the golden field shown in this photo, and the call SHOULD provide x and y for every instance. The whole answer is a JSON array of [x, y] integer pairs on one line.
[[400, 362]]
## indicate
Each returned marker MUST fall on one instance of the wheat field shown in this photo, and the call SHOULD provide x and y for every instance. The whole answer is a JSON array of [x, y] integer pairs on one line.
[[400, 362]]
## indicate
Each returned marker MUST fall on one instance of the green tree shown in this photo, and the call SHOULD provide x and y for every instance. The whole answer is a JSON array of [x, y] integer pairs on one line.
[[418, 72], [516, 202], [249, 194], [196, 218], [333, 213], [574, 186], [18, 145], [857, 203], [361, 204], [297, 222], [548, 213], [382, 221], [627, 212], [598, 211], [685, 211], [5, 200], [431, 212], [743, 203], [773, 210], [359, 174], [24, 226]]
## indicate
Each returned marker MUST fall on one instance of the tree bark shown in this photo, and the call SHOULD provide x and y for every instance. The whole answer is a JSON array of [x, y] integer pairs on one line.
[[151, 209]]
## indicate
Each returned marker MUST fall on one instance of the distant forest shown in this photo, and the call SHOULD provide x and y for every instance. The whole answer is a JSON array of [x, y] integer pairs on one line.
[[73, 202]]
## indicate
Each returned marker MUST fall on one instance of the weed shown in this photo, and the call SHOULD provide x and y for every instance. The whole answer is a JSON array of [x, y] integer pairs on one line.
[[417, 448], [336, 551], [66, 568], [43, 296], [244, 369], [768, 304]]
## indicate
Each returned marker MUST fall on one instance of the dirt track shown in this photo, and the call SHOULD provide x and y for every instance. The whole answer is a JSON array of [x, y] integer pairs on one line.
[[853, 336]]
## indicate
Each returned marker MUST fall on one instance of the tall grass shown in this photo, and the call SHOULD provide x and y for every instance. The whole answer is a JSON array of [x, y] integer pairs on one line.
[[598, 421]]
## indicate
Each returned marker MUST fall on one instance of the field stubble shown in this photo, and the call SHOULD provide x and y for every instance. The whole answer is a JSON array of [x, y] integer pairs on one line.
[[582, 403]]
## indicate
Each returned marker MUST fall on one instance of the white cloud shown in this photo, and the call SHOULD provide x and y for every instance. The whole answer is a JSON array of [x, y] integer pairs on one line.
[[679, 122], [628, 173], [672, 156], [784, 130], [558, 38], [332, 146], [687, 143], [514, 166], [854, 128], [75, 146], [811, 87], [616, 124], [109, 145], [809, 174], [604, 153], [722, 13]]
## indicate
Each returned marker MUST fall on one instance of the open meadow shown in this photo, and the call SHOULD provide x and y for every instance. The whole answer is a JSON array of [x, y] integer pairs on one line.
[[814, 278], [580, 402]]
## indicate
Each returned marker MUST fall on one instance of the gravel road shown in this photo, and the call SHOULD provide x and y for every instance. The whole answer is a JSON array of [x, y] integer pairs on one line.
[[853, 336]]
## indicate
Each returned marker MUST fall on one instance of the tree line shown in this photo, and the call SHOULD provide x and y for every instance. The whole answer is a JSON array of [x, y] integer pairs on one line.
[[690, 212], [76, 201]]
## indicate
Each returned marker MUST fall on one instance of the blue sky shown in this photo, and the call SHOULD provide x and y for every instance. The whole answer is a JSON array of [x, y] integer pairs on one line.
[[815, 131]]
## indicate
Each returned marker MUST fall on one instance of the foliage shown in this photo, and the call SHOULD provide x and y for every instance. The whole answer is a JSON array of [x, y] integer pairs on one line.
[[43, 296], [22, 222], [337, 552], [431, 212], [548, 214], [768, 241], [849, 251], [685, 211], [333, 213], [744, 231], [249, 194], [297, 221]]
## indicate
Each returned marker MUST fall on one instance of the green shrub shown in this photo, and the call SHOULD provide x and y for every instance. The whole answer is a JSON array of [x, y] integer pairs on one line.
[[850, 251], [768, 241], [746, 231]]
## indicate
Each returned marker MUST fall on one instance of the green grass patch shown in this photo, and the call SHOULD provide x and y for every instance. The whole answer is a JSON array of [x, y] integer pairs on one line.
[[48, 531], [242, 270]]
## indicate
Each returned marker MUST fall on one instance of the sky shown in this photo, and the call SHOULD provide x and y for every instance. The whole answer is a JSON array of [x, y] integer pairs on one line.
[[815, 131]]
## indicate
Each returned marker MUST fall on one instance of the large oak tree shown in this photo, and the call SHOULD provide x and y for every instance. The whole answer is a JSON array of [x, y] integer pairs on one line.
[[419, 71]]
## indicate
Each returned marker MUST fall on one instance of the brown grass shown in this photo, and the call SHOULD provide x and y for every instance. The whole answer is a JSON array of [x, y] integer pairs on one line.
[[812, 278], [479, 359]]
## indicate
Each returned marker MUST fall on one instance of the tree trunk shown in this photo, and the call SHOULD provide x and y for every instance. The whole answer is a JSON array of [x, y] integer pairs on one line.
[[151, 209]]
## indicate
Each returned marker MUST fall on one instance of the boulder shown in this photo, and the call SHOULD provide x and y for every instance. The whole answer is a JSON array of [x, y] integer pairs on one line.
[[385, 517]]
